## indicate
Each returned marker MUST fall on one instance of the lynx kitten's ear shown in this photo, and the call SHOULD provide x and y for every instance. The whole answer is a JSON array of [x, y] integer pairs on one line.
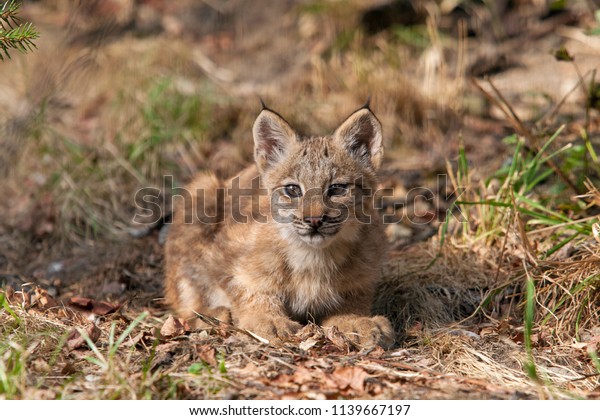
[[361, 135], [272, 137]]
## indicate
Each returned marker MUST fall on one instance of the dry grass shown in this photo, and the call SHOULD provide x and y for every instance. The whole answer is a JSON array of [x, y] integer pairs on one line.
[[87, 124]]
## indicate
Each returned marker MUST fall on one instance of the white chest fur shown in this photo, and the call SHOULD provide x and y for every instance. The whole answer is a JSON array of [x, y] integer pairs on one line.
[[311, 287]]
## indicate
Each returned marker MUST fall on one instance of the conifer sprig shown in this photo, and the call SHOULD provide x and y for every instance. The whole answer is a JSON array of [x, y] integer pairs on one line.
[[14, 34]]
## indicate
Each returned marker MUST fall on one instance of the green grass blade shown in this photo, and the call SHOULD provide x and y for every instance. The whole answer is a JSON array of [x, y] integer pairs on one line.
[[126, 333], [6, 307], [542, 208], [560, 245], [528, 328], [491, 203], [100, 361]]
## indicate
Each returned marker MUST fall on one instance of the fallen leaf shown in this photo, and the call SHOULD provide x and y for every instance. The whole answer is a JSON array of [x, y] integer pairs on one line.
[[283, 381], [76, 340], [377, 352], [338, 339], [94, 306], [350, 377], [249, 370], [518, 337], [303, 375], [308, 343], [43, 299], [207, 353], [167, 347], [172, 328]]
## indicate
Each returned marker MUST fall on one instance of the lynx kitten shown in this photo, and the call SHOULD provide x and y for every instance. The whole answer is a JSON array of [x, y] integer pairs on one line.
[[291, 240]]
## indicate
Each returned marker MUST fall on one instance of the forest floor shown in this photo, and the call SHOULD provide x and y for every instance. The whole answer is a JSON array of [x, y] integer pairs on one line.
[[492, 126]]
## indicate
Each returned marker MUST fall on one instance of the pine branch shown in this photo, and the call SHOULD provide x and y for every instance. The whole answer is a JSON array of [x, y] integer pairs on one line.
[[8, 14], [13, 34]]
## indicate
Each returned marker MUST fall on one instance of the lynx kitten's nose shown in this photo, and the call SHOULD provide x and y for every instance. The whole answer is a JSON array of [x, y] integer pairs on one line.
[[315, 222]]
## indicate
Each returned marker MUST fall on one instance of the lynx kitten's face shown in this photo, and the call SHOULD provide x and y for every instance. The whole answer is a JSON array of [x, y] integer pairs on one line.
[[318, 199], [315, 192]]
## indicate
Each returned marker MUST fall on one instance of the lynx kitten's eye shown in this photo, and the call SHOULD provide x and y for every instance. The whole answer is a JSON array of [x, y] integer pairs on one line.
[[292, 191], [337, 189]]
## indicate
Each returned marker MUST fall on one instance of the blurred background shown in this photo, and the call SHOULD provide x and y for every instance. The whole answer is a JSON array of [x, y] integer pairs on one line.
[[120, 93], [490, 111]]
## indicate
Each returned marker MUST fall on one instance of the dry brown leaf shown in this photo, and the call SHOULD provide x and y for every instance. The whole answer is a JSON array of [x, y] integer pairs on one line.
[[207, 353], [76, 340], [43, 299], [338, 339], [377, 352], [250, 370], [283, 381], [96, 307], [303, 375], [350, 377], [172, 328], [308, 344], [167, 347]]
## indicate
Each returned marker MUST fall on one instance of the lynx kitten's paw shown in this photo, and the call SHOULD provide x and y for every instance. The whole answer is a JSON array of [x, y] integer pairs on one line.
[[271, 328], [365, 331]]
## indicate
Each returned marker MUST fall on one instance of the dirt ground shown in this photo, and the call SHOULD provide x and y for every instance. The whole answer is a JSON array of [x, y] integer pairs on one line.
[[89, 117]]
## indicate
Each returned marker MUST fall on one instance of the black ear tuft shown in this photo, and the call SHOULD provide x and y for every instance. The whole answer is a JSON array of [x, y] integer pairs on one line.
[[367, 104], [262, 103]]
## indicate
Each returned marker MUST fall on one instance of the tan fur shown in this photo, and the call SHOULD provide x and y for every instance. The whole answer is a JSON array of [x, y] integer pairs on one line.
[[266, 276]]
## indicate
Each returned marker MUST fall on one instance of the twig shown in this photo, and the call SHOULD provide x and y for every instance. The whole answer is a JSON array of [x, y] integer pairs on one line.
[[214, 322], [551, 113], [585, 376]]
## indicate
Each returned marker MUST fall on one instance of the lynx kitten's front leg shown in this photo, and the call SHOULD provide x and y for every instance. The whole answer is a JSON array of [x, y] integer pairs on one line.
[[270, 327], [265, 316]]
